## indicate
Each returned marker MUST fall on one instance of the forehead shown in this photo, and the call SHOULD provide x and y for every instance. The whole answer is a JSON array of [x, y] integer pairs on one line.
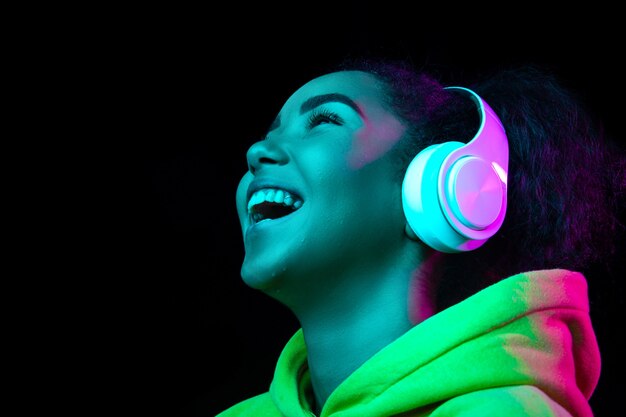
[[361, 87]]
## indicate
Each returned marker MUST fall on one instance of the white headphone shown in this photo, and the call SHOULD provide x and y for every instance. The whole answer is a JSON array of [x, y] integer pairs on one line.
[[454, 194]]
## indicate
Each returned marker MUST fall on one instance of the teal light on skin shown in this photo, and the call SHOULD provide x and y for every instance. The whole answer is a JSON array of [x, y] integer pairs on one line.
[[343, 262]]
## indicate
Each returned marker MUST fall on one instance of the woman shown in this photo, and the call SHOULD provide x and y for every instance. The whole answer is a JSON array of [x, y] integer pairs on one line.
[[396, 319]]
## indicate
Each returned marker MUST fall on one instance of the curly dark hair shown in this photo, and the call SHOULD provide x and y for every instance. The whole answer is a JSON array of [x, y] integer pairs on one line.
[[566, 178]]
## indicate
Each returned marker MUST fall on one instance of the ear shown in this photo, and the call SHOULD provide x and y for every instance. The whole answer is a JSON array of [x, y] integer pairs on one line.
[[408, 231]]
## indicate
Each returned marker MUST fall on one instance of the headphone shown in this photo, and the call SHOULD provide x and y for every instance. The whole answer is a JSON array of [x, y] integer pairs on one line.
[[454, 194]]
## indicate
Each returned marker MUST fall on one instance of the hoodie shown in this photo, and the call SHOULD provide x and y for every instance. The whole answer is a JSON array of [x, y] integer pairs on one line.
[[524, 346]]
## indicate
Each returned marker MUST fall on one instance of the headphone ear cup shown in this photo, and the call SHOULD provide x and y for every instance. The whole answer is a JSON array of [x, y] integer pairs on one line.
[[421, 199], [453, 209], [472, 196]]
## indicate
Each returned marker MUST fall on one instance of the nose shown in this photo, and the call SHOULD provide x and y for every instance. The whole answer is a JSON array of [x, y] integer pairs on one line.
[[265, 152]]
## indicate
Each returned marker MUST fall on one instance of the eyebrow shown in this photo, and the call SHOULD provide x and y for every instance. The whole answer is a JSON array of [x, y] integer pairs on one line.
[[317, 101]]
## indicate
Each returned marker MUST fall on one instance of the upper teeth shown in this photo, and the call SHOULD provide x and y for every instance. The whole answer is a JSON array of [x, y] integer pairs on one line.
[[274, 195]]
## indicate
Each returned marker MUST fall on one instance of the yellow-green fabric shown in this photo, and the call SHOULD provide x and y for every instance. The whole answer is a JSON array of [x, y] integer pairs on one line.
[[522, 347]]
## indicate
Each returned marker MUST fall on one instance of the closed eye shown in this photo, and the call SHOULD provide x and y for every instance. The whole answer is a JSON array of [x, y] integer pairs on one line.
[[321, 116]]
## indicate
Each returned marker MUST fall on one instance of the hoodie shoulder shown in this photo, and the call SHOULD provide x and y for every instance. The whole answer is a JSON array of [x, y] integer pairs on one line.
[[514, 401]]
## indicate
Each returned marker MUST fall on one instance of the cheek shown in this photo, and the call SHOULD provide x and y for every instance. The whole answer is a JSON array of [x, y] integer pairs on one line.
[[373, 141]]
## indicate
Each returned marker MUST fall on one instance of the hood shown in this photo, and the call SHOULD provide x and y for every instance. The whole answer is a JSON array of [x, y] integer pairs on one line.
[[531, 329]]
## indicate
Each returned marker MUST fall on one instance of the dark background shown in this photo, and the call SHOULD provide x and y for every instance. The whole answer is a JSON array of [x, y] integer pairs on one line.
[[180, 94]]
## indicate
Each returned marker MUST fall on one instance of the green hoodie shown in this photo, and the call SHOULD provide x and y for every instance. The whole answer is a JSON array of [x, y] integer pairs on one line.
[[524, 346]]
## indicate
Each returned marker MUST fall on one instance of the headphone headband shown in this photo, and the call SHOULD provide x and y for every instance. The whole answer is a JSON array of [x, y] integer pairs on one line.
[[490, 140]]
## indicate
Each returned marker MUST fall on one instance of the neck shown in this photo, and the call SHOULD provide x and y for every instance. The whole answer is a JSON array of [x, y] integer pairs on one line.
[[353, 322]]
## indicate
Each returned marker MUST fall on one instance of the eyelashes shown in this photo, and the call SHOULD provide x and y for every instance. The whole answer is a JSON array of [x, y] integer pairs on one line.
[[321, 116], [317, 117]]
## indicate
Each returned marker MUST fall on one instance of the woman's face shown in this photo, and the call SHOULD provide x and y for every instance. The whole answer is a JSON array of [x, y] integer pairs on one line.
[[321, 198]]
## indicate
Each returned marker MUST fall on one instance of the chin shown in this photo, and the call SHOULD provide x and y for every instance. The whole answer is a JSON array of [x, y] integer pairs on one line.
[[259, 278]]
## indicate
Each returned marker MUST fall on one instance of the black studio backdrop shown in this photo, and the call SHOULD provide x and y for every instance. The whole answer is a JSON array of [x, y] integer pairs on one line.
[[182, 101]]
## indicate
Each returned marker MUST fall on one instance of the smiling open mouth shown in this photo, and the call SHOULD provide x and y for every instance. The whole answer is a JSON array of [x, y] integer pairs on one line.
[[271, 204]]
